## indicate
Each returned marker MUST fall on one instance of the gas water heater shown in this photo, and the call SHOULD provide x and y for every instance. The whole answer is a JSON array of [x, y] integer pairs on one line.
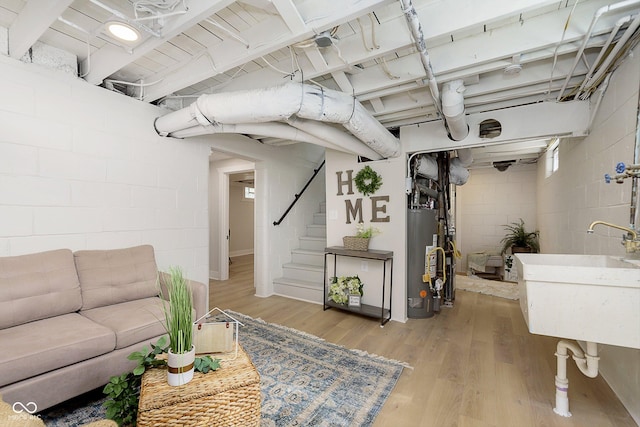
[[422, 229]]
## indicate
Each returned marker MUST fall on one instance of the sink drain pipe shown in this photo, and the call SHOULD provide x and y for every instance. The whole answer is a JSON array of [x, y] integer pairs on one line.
[[587, 363]]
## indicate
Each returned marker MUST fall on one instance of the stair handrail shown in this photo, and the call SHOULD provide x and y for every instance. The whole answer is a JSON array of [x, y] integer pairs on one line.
[[297, 196]]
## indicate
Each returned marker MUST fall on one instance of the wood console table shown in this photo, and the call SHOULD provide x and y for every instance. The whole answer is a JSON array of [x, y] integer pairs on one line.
[[367, 310]]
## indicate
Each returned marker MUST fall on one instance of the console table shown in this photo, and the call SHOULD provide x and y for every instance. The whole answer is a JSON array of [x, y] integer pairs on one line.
[[367, 310]]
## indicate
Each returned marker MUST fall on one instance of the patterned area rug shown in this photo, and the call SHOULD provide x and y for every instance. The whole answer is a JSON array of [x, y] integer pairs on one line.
[[304, 381], [496, 288]]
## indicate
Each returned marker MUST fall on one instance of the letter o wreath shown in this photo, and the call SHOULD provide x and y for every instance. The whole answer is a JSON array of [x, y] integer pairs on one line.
[[367, 181]]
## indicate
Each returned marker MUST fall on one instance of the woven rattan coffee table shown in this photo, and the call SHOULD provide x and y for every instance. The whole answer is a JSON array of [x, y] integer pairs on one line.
[[229, 396]]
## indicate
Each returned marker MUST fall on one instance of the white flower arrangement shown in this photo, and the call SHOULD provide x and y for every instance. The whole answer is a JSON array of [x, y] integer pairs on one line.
[[341, 287]]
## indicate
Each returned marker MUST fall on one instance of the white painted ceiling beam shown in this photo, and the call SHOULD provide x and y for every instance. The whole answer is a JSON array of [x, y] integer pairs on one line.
[[342, 81], [535, 121], [495, 45], [274, 34], [109, 59], [290, 15], [33, 20]]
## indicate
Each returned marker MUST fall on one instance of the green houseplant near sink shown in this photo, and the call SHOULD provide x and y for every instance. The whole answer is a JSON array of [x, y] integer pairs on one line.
[[519, 240]]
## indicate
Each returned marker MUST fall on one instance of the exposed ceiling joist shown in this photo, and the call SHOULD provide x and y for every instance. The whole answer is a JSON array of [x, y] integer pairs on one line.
[[32, 22]]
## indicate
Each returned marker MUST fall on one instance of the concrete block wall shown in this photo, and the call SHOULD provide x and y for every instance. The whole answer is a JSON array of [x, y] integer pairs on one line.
[[576, 195], [489, 200], [82, 168]]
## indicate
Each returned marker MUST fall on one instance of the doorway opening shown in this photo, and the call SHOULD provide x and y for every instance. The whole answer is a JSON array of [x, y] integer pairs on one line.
[[232, 184]]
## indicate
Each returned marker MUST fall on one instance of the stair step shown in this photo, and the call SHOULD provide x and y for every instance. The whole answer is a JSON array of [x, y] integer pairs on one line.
[[323, 206], [313, 243], [307, 256], [315, 230], [320, 218], [299, 289], [311, 273]]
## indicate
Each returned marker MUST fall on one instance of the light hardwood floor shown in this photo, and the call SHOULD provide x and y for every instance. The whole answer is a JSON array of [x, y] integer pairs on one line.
[[475, 364]]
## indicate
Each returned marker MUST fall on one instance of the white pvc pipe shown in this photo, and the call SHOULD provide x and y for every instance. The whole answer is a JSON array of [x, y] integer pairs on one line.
[[587, 363], [453, 109], [418, 36], [601, 11], [610, 57], [278, 104], [603, 50], [450, 105]]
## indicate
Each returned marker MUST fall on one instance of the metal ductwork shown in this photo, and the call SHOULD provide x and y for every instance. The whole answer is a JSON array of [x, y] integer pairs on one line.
[[295, 105]]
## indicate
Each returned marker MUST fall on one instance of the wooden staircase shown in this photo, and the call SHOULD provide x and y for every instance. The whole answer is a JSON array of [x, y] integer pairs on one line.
[[303, 277]]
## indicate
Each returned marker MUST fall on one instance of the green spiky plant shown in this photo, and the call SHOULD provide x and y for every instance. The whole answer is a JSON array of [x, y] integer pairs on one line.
[[518, 236], [179, 313]]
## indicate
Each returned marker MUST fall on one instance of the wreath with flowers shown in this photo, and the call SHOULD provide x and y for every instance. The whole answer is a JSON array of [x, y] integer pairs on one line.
[[341, 287], [367, 181]]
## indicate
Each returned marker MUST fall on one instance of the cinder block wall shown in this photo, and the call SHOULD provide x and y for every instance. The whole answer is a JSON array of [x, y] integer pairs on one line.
[[489, 200], [577, 194], [82, 168]]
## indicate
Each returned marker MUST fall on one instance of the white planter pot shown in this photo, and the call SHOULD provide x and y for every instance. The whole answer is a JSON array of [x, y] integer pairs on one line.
[[180, 367]]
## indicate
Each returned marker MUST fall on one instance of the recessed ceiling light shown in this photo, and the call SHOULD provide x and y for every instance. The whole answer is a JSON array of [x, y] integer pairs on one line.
[[123, 31]]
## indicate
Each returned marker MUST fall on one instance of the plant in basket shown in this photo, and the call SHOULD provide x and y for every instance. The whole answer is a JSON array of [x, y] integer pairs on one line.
[[360, 242]]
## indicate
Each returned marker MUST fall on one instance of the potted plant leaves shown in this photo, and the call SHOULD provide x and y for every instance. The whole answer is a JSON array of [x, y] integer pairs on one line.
[[519, 240], [179, 326]]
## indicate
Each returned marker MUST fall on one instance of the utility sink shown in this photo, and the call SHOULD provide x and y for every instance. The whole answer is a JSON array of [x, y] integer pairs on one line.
[[582, 297]]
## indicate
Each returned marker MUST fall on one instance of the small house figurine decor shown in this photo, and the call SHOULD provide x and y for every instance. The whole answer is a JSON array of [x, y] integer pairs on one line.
[[360, 242], [342, 290]]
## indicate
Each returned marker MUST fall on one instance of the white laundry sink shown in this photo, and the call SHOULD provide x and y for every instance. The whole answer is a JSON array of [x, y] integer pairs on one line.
[[582, 297]]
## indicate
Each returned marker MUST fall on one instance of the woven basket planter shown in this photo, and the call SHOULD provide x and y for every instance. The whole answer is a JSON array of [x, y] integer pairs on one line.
[[356, 243]]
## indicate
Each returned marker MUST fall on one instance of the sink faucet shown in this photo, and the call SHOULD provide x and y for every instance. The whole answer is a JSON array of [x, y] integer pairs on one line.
[[630, 240]]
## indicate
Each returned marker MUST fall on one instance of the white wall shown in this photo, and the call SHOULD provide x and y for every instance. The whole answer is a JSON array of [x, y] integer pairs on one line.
[[576, 195], [240, 221], [489, 200], [82, 168], [280, 173], [393, 233]]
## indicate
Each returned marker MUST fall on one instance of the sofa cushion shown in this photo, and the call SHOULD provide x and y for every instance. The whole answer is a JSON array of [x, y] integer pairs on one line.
[[132, 321], [37, 286], [117, 275], [48, 344]]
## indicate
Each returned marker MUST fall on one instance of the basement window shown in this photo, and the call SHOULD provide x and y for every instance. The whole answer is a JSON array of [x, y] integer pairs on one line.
[[553, 157], [249, 193]]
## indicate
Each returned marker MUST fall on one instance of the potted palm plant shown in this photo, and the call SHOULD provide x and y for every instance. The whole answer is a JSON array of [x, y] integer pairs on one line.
[[179, 326], [519, 240]]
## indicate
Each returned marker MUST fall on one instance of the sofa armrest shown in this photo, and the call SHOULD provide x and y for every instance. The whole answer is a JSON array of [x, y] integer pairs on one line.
[[198, 290]]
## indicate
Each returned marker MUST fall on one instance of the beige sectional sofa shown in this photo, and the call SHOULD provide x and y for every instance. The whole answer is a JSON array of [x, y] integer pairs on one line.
[[69, 320]]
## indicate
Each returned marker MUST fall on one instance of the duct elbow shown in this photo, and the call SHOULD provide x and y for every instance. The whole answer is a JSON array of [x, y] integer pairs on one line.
[[453, 109], [458, 174]]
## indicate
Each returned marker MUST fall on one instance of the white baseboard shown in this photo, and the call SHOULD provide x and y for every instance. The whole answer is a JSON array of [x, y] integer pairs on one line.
[[214, 275], [241, 252]]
